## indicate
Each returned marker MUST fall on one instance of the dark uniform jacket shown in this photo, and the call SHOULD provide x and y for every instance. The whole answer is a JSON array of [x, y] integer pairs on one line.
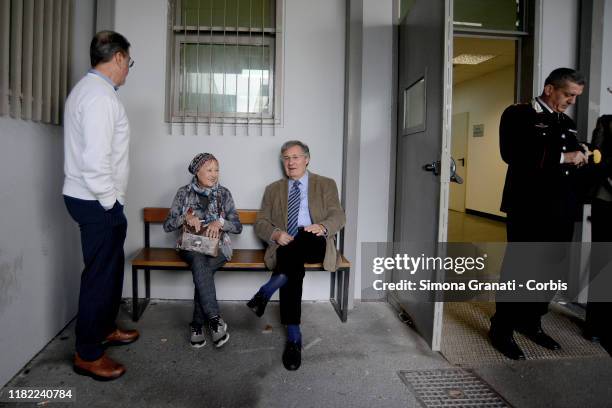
[[602, 172], [531, 142]]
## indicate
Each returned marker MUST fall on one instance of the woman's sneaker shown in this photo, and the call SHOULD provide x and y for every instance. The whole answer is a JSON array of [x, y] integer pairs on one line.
[[218, 329], [197, 337]]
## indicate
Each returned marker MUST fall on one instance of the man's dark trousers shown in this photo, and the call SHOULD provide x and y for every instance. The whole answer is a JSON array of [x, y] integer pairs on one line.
[[102, 237], [541, 233], [290, 259], [598, 310]]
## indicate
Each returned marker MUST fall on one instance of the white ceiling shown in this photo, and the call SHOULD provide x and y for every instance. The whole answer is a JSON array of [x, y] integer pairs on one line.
[[504, 51]]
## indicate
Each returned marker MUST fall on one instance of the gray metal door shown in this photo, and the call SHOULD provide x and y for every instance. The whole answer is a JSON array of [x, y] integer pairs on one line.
[[423, 151]]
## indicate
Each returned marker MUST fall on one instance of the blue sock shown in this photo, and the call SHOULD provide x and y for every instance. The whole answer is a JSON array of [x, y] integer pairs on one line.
[[275, 282], [294, 334]]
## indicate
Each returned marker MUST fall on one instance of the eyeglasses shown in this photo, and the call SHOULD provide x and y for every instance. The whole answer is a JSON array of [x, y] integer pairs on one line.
[[130, 62], [295, 157]]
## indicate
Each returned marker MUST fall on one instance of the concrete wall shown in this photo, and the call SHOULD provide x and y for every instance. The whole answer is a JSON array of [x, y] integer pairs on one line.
[[376, 131], [557, 27], [40, 260], [312, 111], [485, 98]]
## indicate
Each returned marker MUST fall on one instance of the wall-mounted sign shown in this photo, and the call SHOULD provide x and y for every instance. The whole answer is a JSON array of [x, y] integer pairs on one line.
[[478, 130]]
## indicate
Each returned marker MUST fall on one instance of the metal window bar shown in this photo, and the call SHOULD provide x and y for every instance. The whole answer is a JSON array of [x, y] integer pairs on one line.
[[5, 54], [28, 52], [170, 103], [37, 72], [219, 29], [184, 93], [65, 57], [47, 61], [55, 87], [236, 81], [248, 109], [210, 72], [224, 99], [263, 48], [198, 81], [16, 57], [35, 37]]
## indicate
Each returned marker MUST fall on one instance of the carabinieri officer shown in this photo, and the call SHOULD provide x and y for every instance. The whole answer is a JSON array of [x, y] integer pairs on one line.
[[538, 142]]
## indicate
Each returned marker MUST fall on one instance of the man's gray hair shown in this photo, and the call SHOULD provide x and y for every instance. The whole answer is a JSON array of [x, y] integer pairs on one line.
[[288, 145]]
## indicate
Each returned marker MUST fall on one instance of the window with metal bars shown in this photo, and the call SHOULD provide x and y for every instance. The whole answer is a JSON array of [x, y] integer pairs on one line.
[[224, 61], [34, 58]]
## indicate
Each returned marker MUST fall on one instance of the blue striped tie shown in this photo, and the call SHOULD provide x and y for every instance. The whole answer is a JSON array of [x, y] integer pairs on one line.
[[293, 209]]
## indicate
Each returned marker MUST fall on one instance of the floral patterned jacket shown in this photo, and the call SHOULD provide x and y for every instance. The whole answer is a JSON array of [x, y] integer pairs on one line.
[[187, 198]]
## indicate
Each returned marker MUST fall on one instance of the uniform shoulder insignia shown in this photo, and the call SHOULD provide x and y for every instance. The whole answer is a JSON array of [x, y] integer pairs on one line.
[[537, 106]]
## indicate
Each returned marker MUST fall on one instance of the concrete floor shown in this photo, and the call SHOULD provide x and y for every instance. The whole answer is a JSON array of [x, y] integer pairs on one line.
[[351, 365], [354, 364]]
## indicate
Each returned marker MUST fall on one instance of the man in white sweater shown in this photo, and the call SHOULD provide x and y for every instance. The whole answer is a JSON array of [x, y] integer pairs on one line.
[[96, 142]]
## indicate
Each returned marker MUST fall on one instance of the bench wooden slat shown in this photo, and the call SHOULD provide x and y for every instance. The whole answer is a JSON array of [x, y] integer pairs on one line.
[[242, 258], [159, 214]]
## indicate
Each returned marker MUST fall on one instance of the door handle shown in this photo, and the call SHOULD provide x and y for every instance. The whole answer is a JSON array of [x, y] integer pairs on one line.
[[454, 177], [434, 167]]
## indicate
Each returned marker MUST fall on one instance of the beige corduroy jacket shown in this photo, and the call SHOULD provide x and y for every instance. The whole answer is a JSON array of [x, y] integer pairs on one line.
[[325, 209]]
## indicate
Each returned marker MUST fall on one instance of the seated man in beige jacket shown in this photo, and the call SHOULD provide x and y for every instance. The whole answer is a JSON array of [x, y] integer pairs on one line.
[[299, 218]]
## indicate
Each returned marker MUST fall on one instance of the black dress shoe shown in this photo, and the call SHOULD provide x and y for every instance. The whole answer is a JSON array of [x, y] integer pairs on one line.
[[540, 338], [607, 345], [258, 304], [292, 356], [591, 336], [506, 345]]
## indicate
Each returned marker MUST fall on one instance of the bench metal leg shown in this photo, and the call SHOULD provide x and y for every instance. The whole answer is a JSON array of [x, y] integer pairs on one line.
[[147, 272], [138, 308], [339, 292], [134, 293], [345, 294]]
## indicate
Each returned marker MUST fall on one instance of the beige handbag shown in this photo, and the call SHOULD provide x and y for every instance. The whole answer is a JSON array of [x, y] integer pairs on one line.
[[198, 241]]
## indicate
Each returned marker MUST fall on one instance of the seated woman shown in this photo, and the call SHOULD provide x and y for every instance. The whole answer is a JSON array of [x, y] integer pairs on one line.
[[204, 203]]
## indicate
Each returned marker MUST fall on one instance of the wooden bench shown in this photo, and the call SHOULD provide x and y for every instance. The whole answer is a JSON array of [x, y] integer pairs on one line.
[[150, 258]]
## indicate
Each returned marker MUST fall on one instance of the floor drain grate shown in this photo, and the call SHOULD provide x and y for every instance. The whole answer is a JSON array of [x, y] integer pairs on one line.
[[451, 388]]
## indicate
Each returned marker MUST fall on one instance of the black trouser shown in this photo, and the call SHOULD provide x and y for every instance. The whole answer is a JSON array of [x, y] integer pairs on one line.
[[543, 260], [290, 260], [102, 237], [599, 313]]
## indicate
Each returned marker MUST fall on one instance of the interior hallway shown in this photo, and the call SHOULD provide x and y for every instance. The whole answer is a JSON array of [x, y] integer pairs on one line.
[[464, 227]]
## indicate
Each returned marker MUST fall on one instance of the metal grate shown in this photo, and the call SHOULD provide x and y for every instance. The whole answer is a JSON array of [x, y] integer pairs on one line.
[[451, 388]]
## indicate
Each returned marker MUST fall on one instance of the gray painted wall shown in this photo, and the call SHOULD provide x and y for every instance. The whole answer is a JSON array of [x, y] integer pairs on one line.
[[557, 27], [312, 111], [40, 260], [376, 134]]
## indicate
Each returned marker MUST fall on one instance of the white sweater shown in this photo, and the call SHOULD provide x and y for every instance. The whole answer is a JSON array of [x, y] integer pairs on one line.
[[96, 143]]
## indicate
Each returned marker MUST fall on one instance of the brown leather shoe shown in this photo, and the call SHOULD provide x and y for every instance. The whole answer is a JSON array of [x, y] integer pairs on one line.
[[121, 337], [102, 369]]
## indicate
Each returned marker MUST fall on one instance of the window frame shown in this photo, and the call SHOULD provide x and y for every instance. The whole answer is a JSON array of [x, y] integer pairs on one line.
[[206, 35]]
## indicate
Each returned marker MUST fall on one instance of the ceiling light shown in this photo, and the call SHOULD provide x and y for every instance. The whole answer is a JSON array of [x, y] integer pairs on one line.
[[472, 59]]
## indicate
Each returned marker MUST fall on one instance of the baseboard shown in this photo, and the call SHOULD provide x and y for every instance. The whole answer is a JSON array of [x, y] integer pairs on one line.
[[485, 215]]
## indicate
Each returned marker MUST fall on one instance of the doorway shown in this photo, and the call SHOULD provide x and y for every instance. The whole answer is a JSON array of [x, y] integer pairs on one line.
[[484, 84]]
